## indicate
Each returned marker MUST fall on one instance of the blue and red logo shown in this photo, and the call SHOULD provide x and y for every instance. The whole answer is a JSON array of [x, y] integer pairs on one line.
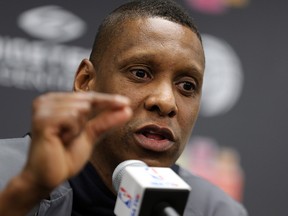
[[125, 197], [158, 179], [130, 202]]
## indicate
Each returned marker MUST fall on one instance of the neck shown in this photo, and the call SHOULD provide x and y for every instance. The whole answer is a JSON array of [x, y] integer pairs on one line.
[[104, 169]]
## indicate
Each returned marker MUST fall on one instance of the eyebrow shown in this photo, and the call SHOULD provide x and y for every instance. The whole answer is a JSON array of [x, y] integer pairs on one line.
[[138, 58]]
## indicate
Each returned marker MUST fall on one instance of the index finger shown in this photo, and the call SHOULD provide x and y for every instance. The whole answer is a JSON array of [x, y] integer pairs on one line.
[[111, 101]]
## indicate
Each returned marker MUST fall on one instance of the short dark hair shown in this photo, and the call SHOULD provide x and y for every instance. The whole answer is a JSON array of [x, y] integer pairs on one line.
[[111, 25]]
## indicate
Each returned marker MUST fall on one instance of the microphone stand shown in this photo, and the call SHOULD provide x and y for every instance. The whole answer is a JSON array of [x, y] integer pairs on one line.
[[164, 209]]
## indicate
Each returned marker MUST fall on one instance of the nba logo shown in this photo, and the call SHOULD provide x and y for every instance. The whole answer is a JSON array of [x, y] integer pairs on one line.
[[155, 175], [125, 197]]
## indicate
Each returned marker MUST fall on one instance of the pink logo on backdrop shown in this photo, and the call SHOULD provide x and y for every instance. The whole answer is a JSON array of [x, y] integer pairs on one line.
[[215, 6], [219, 165]]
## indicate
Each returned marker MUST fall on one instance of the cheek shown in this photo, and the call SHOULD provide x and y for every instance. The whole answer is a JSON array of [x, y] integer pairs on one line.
[[187, 118], [135, 94], [109, 84]]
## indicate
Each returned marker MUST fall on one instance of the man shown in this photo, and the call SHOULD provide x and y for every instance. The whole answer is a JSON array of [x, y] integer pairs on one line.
[[150, 53]]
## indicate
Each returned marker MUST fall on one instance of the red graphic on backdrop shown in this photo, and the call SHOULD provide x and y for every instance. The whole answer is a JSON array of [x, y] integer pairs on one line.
[[219, 165]]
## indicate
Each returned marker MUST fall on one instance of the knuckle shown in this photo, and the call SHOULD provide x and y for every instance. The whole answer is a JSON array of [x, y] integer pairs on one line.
[[73, 114]]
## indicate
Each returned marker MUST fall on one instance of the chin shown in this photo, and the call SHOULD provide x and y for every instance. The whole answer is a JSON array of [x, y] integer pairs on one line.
[[157, 162], [151, 158]]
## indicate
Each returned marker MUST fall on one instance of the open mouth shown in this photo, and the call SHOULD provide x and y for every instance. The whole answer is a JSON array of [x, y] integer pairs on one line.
[[152, 135], [154, 132], [155, 138]]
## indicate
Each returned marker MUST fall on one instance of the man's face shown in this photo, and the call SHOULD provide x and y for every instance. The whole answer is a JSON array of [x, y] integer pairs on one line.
[[159, 65]]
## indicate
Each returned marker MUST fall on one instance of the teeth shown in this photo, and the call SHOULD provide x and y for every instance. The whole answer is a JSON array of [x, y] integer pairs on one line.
[[156, 133], [153, 135], [150, 132]]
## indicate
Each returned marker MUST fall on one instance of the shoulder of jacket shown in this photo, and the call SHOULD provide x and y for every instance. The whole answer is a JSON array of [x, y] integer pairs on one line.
[[207, 199]]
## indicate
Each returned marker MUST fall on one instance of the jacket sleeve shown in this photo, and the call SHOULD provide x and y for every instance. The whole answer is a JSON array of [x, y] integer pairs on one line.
[[13, 155]]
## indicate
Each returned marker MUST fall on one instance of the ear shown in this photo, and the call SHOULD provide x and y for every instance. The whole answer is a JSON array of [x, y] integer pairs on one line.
[[85, 76]]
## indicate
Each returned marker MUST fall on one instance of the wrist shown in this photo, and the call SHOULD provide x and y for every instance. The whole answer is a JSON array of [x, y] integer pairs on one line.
[[20, 195]]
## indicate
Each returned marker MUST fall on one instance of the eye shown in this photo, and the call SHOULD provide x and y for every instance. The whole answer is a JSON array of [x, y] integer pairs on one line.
[[187, 87], [141, 74]]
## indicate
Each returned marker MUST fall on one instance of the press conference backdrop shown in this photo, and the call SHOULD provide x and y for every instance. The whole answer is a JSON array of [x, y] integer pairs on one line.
[[240, 141]]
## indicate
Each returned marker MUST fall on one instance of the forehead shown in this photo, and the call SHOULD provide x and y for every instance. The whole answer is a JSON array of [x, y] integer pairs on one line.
[[156, 35]]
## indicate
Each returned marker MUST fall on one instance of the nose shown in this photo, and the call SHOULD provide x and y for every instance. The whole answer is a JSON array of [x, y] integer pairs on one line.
[[161, 99]]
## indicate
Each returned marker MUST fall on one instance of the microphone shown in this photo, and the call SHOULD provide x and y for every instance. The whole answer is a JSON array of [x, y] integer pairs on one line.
[[146, 191]]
